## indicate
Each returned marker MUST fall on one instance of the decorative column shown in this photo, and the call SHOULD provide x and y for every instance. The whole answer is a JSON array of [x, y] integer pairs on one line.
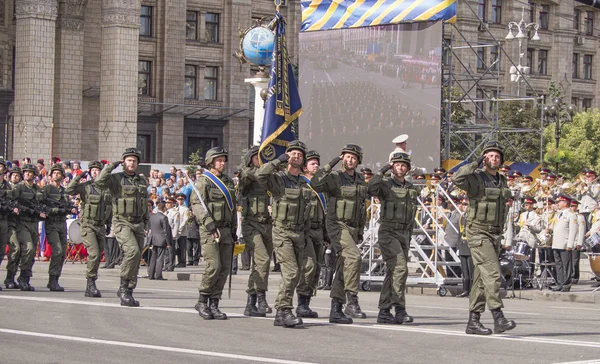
[[68, 98], [118, 82], [34, 83]]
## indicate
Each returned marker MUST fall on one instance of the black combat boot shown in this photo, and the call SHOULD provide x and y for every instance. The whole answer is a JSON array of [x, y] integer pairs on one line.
[[501, 324], [91, 290], [251, 309], [402, 317], [130, 292], [475, 327], [203, 309], [285, 317], [336, 316], [23, 283], [9, 282], [53, 285], [262, 304], [123, 293], [328, 279], [214, 309], [385, 317], [352, 308], [303, 309]]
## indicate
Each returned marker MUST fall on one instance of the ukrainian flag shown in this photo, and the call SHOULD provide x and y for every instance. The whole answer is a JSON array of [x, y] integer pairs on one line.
[[283, 105], [339, 14]]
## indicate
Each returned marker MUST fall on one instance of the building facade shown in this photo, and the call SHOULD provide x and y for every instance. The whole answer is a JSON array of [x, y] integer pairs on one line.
[[84, 79]]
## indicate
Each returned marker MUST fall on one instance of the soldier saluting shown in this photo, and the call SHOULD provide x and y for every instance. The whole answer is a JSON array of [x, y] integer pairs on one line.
[[488, 194], [130, 217]]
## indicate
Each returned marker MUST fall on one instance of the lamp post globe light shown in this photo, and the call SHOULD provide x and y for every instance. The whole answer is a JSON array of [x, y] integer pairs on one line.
[[518, 73], [553, 112]]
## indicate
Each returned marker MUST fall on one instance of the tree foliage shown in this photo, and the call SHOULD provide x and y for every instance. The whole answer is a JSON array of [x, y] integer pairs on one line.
[[461, 116], [521, 146]]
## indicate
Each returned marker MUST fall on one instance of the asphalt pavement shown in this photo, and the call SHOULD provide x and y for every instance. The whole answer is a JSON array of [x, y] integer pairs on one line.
[[66, 327]]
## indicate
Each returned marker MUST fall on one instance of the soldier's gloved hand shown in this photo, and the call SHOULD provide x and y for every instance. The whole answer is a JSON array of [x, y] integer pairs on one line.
[[284, 157], [385, 168], [212, 228], [481, 159], [116, 164], [335, 161], [83, 175]]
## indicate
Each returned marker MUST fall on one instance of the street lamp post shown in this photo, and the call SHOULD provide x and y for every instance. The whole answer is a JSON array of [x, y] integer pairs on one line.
[[554, 113], [518, 73]]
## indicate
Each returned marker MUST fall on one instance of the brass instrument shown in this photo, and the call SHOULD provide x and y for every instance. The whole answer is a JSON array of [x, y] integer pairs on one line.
[[531, 190]]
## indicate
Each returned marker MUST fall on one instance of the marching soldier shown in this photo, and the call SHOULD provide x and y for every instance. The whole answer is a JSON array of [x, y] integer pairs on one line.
[[130, 217], [346, 216], [216, 212], [96, 210], [488, 193], [14, 251], [398, 208], [563, 241], [579, 239], [56, 224], [313, 252], [257, 229], [290, 223], [5, 210], [29, 197]]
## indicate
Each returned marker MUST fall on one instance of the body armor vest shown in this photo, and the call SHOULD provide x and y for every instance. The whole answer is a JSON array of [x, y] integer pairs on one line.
[[133, 201], [400, 207], [350, 206], [217, 204], [489, 207], [316, 213], [31, 199], [255, 203], [57, 200], [291, 209], [96, 206], [5, 198]]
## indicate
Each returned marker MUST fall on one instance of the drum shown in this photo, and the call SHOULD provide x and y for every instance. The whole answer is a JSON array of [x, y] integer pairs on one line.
[[595, 263], [74, 231], [522, 250], [591, 242]]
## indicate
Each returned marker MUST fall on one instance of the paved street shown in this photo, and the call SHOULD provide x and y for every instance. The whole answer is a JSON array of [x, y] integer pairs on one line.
[[48, 327]]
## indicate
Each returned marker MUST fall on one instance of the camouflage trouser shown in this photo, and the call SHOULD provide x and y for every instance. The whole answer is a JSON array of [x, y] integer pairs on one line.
[[311, 263], [289, 251], [394, 244], [259, 244], [14, 250], [4, 237], [217, 260], [94, 238], [28, 238], [56, 233], [486, 276], [347, 268], [130, 237]]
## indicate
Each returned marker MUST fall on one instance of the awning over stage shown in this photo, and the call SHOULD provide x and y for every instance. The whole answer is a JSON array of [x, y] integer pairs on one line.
[[339, 14], [527, 169]]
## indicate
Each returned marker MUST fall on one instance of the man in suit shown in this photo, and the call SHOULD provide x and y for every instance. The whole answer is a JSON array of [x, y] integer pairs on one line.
[[161, 238], [563, 242]]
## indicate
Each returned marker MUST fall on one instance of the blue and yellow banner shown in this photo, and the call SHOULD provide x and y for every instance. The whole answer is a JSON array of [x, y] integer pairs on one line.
[[340, 14], [283, 104]]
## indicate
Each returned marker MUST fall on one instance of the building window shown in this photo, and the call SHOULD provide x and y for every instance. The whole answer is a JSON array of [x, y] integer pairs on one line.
[[544, 16], [144, 146], [497, 11], [530, 57], [211, 80], [144, 77], [191, 25], [575, 101], [146, 21], [587, 66], [587, 104], [199, 145], [532, 13], [481, 10], [481, 58], [542, 62], [589, 23], [575, 65], [576, 19], [479, 105], [212, 27], [190, 81], [494, 61]]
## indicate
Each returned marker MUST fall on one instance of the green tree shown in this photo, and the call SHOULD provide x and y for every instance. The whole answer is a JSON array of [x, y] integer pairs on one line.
[[459, 115], [579, 144], [522, 146], [193, 161]]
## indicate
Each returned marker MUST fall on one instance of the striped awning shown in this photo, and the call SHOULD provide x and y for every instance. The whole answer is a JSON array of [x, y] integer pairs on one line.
[[339, 14]]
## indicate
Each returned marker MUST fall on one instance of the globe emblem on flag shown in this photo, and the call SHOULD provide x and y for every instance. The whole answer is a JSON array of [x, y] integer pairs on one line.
[[257, 45]]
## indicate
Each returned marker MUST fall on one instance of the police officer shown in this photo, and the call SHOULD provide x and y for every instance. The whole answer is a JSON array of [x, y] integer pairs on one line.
[[14, 251], [398, 209], [257, 230], [96, 210], [346, 217], [130, 217], [5, 209], [313, 252], [290, 223], [488, 193], [218, 228], [56, 224], [29, 198]]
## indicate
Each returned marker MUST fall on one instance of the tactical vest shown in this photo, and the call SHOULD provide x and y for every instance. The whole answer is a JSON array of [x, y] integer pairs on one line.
[[489, 209], [5, 197], [57, 198], [291, 209], [30, 197], [255, 203], [316, 213], [400, 207], [350, 206], [132, 204], [96, 206], [217, 204]]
